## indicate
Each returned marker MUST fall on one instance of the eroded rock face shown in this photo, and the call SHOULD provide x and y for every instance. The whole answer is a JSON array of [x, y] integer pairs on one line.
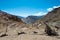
[[55, 26], [50, 31]]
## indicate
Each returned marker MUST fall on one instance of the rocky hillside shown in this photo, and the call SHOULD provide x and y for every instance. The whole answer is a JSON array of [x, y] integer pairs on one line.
[[9, 22], [52, 16], [52, 22]]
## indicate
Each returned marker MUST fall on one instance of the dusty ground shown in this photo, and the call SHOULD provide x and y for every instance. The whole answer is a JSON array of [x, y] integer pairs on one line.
[[29, 37]]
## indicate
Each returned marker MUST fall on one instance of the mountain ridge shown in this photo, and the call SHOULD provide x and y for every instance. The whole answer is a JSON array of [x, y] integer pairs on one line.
[[32, 19]]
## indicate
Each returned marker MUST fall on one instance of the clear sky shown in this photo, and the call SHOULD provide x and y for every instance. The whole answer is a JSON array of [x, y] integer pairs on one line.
[[28, 7]]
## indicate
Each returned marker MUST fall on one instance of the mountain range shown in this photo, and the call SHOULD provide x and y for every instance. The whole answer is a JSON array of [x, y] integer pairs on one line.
[[31, 19]]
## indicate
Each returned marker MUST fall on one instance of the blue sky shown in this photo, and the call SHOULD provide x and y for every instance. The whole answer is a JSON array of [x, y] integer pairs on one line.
[[28, 7]]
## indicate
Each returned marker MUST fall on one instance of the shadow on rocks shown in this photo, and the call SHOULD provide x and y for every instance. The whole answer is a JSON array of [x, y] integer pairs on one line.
[[21, 33]]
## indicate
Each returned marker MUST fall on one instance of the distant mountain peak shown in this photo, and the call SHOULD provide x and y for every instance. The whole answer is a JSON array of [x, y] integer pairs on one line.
[[31, 19]]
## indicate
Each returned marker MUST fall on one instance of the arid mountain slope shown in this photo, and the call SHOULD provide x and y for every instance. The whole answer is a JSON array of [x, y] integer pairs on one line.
[[52, 20], [9, 22], [52, 16]]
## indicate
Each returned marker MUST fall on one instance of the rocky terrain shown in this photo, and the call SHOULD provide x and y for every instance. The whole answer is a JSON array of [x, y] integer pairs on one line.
[[52, 16], [9, 23], [14, 28], [52, 19]]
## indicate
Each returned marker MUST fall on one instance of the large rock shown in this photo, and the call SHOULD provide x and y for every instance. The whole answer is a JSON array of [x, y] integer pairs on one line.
[[50, 31]]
